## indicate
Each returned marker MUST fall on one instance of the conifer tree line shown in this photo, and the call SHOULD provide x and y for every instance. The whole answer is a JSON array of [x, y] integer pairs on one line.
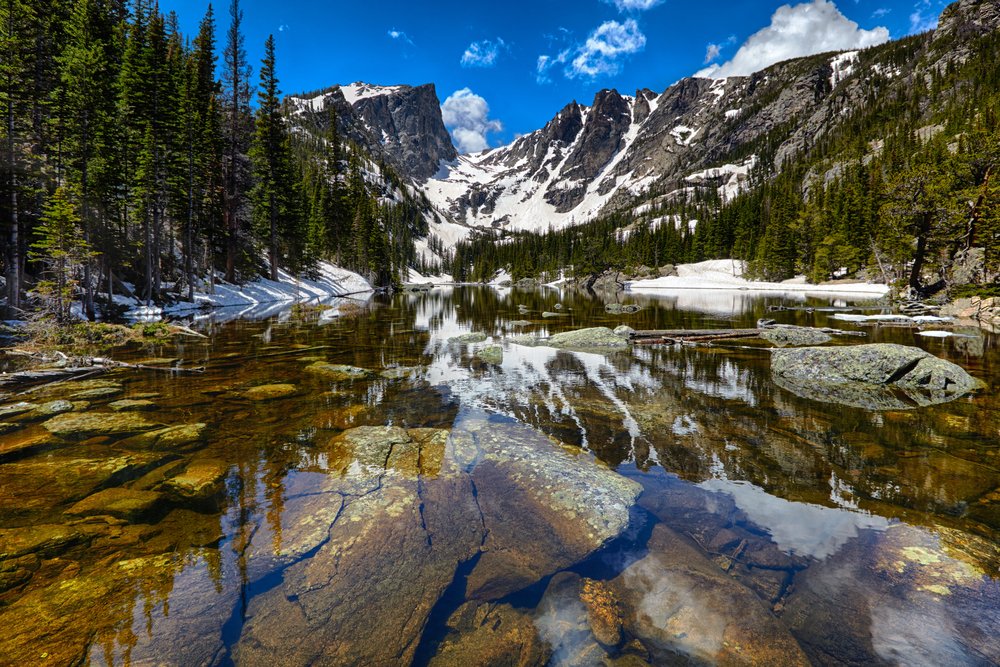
[[905, 189], [173, 167]]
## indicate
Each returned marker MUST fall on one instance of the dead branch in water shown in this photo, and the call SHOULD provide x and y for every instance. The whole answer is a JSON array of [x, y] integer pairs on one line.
[[58, 367]]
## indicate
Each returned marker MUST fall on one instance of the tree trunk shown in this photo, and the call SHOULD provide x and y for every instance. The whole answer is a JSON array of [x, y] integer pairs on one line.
[[13, 276], [921, 254], [274, 239]]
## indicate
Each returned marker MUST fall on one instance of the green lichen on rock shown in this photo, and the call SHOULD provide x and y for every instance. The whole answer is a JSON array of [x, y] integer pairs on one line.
[[339, 372], [270, 392], [492, 354], [166, 439], [474, 337], [79, 426], [874, 377], [588, 338]]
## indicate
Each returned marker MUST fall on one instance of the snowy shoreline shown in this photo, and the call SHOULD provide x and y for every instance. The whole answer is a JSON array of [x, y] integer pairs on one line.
[[332, 282], [725, 274]]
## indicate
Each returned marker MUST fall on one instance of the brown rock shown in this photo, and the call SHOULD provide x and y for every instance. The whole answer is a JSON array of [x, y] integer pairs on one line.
[[487, 635], [682, 606], [126, 504]]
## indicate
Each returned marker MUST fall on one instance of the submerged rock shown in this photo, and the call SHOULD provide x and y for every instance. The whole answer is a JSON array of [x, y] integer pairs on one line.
[[484, 635], [339, 372], [388, 515], [562, 507], [270, 392], [588, 338], [201, 481], [47, 540], [46, 410], [127, 504], [869, 376], [79, 426], [683, 607], [474, 337], [166, 439], [795, 336], [402, 372], [492, 354], [15, 409], [132, 405]]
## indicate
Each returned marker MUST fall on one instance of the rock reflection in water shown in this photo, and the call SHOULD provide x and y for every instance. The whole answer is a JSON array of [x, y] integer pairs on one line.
[[360, 490]]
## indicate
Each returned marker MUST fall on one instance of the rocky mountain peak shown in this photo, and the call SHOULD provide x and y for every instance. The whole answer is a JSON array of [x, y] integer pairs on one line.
[[968, 19]]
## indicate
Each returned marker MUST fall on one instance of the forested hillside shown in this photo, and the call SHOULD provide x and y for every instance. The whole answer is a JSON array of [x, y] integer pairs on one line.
[[138, 162], [895, 182]]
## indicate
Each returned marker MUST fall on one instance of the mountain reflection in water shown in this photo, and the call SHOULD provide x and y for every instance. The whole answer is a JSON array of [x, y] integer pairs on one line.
[[384, 495]]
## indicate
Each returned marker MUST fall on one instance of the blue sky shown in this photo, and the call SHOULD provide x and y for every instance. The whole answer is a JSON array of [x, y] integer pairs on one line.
[[509, 67]]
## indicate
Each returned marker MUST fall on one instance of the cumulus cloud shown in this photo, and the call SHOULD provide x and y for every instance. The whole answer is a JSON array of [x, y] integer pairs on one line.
[[467, 117], [605, 46], [802, 30], [634, 5], [713, 51], [400, 36], [483, 53]]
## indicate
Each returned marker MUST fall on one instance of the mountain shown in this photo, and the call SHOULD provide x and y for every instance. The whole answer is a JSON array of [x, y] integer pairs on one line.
[[647, 154], [401, 124]]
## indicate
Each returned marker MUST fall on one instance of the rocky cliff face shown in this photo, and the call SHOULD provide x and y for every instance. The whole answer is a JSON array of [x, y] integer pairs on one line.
[[401, 124]]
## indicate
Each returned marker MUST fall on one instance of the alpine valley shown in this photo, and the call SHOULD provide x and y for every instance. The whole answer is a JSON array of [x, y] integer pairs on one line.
[[803, 167]]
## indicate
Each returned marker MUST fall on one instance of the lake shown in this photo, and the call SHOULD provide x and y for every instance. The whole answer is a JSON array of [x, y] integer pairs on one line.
[[353, 487]]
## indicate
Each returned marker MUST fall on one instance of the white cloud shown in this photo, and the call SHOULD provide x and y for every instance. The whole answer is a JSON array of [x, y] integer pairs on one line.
[[283, 27], [923, 18], [467, 116], [634, 5], [399, 35], [483, 53], [603, 48], [712, 52], [806, 29]]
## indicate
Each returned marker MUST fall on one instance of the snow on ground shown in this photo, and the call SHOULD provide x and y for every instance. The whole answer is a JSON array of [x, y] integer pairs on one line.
[[842, 66], [502, 279], [918, 319], [415, 276], [727, 274], [332, 281], [736, 177]]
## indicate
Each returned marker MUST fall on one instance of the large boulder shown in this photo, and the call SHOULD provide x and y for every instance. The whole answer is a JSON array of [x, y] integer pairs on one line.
[[587, 338], [788, 336], [874, 377]]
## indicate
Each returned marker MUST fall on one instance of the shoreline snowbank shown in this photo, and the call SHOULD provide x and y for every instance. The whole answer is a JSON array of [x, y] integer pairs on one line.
[[332, 281], [727, 274]]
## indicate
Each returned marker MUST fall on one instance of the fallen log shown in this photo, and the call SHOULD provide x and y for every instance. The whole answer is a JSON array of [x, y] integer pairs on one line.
[[62, 368], [691, 333]]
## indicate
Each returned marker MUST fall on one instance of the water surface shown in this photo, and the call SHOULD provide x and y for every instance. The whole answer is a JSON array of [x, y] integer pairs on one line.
[[647, 506]]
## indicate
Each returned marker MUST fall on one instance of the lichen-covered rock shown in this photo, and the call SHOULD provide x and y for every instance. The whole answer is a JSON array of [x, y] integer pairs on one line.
[[564, 506], [270, 392], [201, 481], [339, 372], [485, 635], [867, 376], [14, 409], [132, 405], [47, 540], [46, 410], [624, 330], [121, 503], [474, 337], [492, 354], [587, 338], [167, 439], [795, 336], [79, 426], [402, 373]]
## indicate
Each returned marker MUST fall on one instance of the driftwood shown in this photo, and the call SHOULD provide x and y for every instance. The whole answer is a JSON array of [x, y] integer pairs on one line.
[[60, 367], [672, 336]]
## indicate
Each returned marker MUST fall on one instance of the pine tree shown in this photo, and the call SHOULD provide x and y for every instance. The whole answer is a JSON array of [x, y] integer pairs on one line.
[[236, 77], [16, 47], [273, 194], [60, 247]]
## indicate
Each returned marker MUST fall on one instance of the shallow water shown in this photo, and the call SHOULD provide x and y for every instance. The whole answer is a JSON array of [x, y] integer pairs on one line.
[[655, 505]]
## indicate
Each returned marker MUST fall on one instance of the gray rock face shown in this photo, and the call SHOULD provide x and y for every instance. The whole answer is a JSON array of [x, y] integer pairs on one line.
[[587, 338], [415, 136], [401, 124], [783, 336], [875, 377]]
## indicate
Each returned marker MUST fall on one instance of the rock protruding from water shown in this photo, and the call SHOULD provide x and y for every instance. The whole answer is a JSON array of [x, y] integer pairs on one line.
[[382, 527], [474, 337], [491, 354], [622, 308], [339, 372], [783, 336], [874, 377], [588, 338]]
